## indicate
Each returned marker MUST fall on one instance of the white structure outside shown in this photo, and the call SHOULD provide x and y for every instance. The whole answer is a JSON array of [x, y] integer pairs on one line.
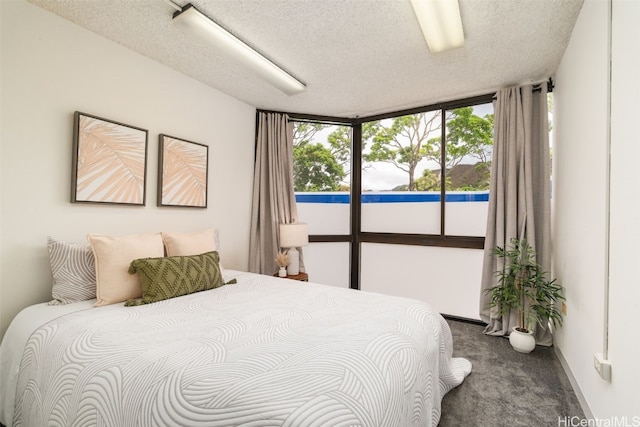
[[446, 278]]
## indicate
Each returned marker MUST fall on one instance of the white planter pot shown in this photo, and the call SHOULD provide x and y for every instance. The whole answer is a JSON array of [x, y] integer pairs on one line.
[[524, 342], [282, 272]]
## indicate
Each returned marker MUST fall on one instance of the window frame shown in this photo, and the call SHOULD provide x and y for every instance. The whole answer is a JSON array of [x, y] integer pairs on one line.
[[357, 236]]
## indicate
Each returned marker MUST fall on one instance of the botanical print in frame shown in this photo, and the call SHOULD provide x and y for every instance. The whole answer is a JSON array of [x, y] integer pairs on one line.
[[182, 173], [109, 161]]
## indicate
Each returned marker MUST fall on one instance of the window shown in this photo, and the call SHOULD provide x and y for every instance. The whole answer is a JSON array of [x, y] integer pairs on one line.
[[322, 181], [467, 163], [420, 177], [400, 191], [322, 176], [426, 177]]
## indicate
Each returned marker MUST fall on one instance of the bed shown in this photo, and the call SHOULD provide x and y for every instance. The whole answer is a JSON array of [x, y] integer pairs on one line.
[[264, 351]]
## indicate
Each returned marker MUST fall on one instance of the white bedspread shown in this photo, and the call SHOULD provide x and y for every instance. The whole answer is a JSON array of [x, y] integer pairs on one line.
[[262, 352]]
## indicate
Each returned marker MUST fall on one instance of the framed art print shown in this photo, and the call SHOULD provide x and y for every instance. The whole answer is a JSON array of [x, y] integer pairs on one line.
[[109, 161], [182, 173]]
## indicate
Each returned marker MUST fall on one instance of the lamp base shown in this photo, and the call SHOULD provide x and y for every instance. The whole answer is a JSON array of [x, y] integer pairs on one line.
[[294, 262]]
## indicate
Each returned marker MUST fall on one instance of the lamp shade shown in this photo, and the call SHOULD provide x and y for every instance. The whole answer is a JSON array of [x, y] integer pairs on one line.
[[293, 235]]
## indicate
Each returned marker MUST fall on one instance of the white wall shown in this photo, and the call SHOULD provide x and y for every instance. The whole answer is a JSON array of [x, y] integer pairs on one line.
[[430, 274], [625, 200], [580, 177], [51, 68], [328, 263]]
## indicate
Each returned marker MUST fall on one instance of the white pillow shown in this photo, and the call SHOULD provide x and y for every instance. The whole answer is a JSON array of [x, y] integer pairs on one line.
[[74, 272], [187, 244], [196, 243], [113, 256]]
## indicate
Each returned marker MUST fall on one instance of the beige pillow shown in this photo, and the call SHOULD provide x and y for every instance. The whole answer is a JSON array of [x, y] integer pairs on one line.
[[187, 244], [113, 256]]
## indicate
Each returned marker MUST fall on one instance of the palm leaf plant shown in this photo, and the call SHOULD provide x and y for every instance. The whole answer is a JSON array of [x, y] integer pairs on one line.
[[524, 287]]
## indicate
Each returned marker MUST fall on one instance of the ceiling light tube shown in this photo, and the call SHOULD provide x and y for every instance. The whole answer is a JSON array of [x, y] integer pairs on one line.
[[441, 23], [190, 20]]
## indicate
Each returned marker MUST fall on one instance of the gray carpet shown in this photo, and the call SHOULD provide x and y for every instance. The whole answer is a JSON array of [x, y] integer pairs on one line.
[[506, 388]]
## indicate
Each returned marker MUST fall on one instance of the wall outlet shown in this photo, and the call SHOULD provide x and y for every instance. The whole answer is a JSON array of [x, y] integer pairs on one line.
[[603, 366]]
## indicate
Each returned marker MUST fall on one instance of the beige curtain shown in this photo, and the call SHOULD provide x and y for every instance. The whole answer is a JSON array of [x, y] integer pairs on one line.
[[273, 194], [519, 202]]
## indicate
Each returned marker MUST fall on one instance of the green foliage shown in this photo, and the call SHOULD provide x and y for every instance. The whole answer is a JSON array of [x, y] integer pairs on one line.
[[320, 166], [429, 181], [404, 143], [339, 142], [411, 139], [468, 135], [485, 169], [315, 168], [304, 132], [524, 287]]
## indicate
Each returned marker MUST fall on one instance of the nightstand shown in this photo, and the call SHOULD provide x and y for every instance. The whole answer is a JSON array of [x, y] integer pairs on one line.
[[303, 277]]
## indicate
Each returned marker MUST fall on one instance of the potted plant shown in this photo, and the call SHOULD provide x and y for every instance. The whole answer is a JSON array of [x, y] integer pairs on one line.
[[282, 260], [524, 287]]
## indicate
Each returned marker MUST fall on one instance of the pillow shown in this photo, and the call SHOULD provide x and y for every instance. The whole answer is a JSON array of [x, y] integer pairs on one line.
[[184, 244], [73, 269], [113, 255], [169, 277]]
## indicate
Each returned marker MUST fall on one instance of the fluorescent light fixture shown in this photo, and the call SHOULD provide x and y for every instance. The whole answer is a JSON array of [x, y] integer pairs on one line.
[[441, 23], [192, 21]]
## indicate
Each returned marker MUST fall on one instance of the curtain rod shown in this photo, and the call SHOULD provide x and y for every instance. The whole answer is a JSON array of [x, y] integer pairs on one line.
[[550, 86], [301, 117], [537, 87]]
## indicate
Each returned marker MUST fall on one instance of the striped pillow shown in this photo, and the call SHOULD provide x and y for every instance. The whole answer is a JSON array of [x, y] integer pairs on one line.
[[73, 270]]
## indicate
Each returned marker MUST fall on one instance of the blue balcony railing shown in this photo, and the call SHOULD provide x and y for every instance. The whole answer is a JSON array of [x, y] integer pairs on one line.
[[393, 197]]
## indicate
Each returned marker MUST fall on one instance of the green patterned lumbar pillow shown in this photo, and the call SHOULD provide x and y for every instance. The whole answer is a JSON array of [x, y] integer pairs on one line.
[[168, 277]]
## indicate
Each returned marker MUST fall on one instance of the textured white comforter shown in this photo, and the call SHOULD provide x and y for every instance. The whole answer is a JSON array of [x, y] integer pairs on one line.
[[262, 352]]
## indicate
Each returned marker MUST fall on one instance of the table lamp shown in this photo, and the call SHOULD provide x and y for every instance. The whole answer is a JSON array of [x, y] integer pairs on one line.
[[292, 236]]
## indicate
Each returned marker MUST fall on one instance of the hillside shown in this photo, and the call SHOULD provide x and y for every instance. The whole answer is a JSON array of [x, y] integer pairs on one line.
[[461, 176], [467, 175]]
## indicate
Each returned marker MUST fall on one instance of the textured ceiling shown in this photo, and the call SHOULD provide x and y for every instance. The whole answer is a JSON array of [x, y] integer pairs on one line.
[[357, 57]]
